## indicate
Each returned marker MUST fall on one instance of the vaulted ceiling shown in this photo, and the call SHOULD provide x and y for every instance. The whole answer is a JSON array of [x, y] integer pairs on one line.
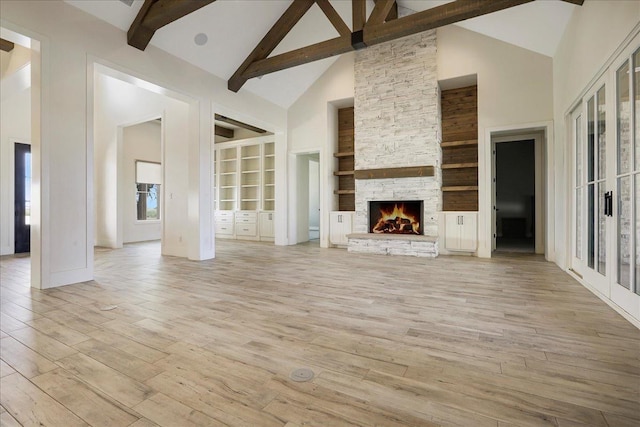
[[233, 28]]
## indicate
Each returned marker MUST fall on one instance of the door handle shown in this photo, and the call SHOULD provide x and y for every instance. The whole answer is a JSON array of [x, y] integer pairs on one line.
[[608, 203]]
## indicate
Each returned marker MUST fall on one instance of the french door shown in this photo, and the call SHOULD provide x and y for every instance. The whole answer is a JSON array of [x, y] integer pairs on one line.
[[626, 288], [606, 185]]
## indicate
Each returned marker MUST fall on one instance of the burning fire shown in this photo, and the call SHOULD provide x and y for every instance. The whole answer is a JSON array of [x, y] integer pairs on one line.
[[397, 221]]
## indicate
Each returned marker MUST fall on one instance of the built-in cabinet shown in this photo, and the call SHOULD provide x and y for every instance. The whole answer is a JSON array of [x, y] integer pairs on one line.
[[244, 190], [461, 231], [340, 225], [341, 221], [459, 221]]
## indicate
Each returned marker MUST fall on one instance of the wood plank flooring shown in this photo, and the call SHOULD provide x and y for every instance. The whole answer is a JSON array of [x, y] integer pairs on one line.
[[393, 341]]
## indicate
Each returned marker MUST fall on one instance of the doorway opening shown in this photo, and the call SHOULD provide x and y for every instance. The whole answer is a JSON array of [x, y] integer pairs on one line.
[[308, 197], [20, 64], [518, 195], [515, 196]]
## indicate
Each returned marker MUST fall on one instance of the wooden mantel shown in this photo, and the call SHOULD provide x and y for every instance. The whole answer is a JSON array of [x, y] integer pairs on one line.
[[404, 172]]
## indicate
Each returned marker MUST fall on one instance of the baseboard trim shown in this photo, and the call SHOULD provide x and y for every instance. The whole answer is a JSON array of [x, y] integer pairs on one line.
[[635, 322]]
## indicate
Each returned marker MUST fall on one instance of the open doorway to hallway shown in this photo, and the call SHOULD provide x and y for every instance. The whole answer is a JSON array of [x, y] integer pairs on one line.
[[515, 196], [518, 190], [308, 197]]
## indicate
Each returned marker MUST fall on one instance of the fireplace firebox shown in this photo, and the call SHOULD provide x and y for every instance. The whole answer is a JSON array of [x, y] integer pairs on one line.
[[396, 217]]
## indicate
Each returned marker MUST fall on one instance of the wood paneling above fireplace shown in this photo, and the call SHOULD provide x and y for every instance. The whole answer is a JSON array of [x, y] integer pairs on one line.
[[460, 149]]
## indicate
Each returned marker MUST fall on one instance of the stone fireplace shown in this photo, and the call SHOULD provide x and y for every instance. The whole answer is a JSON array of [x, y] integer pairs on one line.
[[397, 126], [396, 217]]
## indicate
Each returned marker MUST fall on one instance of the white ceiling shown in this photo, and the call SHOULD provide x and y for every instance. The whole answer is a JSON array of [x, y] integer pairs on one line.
[[235, 27]]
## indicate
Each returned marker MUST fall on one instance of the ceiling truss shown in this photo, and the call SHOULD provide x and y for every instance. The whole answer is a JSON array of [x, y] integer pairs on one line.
[[382, 25], [155, 14]]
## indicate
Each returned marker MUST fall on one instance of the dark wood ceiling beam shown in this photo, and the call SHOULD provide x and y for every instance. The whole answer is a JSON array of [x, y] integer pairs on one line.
[[436, 17], [393, 13], [359, 10], [224, 132], [155, 14], [243, 125], [372, 34], [6, 45], [300, 56], [269, 42], [336, 20], [576, 2], [380, 12]]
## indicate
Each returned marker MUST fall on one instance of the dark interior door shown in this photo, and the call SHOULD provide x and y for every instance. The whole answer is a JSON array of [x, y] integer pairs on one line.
[[22, 198]]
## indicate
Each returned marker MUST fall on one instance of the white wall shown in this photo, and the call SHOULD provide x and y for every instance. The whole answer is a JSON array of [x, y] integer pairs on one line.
[[140, 142], [592, 36], [71, 42], [515, 88], [312, 127]]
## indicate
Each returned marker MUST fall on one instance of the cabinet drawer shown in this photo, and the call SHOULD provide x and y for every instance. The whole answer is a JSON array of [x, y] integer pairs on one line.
[[246, 229], [224, 216], [224, 229], [246, 216], [245, 220], [224, 220]]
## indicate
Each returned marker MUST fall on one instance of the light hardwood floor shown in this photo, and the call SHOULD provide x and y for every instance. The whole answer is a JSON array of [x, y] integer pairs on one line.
[[393, 341]]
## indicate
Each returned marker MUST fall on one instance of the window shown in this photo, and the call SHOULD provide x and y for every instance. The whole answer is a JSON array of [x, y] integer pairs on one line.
[[148, 177]]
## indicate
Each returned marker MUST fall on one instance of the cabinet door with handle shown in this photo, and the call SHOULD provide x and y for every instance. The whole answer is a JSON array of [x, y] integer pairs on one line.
[[461, 231], [468, 232], [340, 224], [266, 225], [452, 231]]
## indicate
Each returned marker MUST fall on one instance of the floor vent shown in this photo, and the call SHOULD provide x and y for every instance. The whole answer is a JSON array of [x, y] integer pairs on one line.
[[302, 375]]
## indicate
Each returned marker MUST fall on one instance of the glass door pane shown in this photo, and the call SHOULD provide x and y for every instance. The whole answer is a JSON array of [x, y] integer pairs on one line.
[[591, 200], [578, 186], [636, 167], [624, 231], [591, 239], [624, 166], [579, 223], [602, 163], [637, 226], [636, 86]]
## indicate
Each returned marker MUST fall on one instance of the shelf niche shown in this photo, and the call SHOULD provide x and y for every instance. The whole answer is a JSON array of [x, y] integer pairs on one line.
[[460, 149], [345, 161]]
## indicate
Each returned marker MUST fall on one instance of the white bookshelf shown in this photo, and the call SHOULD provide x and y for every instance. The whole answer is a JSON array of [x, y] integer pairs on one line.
[[244, 189]]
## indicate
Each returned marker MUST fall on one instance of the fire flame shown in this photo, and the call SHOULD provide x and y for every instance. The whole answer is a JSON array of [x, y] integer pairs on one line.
[[397, 221]]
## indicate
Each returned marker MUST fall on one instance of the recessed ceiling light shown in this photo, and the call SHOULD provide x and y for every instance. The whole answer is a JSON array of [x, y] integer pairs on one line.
[[201, 39]]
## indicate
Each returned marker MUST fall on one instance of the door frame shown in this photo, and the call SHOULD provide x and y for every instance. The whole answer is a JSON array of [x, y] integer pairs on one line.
[[538, 136], [295, 192]]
